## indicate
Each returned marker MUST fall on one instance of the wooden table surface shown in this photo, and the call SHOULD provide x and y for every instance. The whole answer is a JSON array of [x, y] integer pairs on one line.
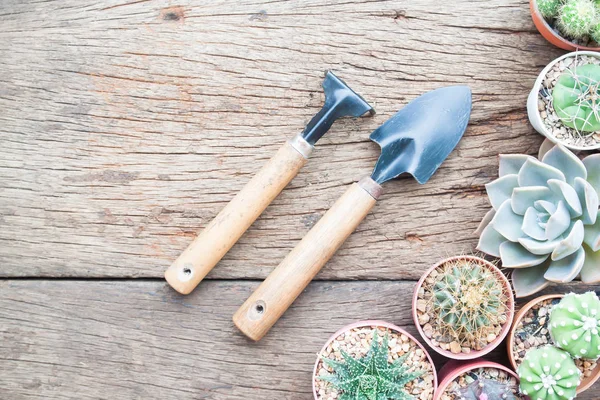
[[126, 126]]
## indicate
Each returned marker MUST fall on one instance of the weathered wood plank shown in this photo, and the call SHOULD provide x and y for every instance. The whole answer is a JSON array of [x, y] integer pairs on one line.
[[125, 127], [140, 340]]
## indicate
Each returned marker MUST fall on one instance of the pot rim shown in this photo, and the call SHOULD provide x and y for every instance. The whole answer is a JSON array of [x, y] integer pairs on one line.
[[536, 88], [462, 367], [586, 383], [505, 328], [377, 323], [566, 44]]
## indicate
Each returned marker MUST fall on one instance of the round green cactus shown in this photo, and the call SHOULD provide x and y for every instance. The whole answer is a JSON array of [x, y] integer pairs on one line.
[[549, 8], [595, 34], [575, 325], [548, 373], [577, 17], [576, 98]]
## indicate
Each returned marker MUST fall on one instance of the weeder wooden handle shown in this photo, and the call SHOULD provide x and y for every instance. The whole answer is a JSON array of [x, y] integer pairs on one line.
[[230, 224], [275, 295]]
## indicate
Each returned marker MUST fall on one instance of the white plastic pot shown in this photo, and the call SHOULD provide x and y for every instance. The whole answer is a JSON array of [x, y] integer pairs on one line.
[[532, 102]]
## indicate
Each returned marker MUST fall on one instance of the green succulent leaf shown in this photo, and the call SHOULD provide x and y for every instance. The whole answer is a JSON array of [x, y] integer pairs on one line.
[[371, 377]]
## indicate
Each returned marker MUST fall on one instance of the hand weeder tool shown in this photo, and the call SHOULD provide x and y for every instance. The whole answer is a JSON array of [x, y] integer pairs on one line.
[[416, 140], [230, 224]]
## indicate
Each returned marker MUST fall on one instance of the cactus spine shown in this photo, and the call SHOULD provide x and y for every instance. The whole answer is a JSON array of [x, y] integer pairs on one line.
[[468, 299], [575, 325], [548, 373]]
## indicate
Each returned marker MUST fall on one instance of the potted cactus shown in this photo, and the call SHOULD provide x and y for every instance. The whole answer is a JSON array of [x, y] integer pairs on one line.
[[373, 360], [564, 104], [463, 307], [477, 380], [544, 223], [568, 24], [550, 321], [548, 373]]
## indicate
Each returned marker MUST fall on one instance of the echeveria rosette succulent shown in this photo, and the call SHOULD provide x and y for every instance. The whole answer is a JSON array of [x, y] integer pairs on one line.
[[544, 223], [575, 325]]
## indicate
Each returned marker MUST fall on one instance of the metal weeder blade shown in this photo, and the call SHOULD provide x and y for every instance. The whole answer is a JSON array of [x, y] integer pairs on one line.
[[419, 137]]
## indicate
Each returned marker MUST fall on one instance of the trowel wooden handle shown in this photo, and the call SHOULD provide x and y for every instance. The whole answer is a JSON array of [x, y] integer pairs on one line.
[[230, 224], [275, 295]]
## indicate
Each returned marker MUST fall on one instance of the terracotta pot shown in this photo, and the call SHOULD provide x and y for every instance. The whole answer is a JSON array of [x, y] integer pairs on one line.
[[453, 369], [510, 343], [550, 34], [373, 323], [510, 306], [532, 102]]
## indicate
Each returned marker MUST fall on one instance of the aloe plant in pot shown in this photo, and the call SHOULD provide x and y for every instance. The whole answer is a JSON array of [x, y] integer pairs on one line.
[[463, 307], [544, 223], [373, 360], [564, 104]]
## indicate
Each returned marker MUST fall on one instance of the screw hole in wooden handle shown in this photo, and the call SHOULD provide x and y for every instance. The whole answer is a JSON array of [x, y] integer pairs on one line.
[[257, 311], [186, 272]]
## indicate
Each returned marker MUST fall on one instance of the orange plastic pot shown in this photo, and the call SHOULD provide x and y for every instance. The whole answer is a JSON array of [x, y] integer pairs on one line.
[[550, 34]]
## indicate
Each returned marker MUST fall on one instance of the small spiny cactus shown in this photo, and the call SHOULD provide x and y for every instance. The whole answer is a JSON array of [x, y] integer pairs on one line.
[[548, 373], [575, 325], [467, 300], [486, 389], [549, 8], [371, 377], [576, 98], [595, 34], [577, 17]]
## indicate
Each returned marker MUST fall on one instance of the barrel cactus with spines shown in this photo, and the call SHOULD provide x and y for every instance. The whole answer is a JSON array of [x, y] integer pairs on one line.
[[548, 373], [576, 98], [575, 325], [486, 389], [596, 29], [468, 298], [576, 18], [544, 223], [549, 8]]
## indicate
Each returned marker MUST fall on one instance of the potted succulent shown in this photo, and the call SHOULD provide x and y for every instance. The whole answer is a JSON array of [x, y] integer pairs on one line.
[[564, 103], [463, 307], [568, 24], [548, 321], [373, 360], [477, 380], [544, 223]]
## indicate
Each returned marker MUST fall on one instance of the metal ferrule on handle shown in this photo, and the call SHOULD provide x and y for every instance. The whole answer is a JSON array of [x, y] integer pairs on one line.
[[229, 225], [275, 295]]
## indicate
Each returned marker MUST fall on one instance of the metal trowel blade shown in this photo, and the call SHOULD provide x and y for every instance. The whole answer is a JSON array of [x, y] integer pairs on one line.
[[419, 137]]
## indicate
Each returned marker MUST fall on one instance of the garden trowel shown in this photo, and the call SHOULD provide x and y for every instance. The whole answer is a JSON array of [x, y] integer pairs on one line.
[[416, 140], [230, 224]]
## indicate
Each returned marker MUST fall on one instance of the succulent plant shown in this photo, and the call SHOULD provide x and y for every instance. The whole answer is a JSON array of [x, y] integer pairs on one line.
[[576, 18], [486, 389], [549, 8], [595, 34], [575, 325], [576, 98], [548, 373], [468, 298], [371, 377], [544, 223]]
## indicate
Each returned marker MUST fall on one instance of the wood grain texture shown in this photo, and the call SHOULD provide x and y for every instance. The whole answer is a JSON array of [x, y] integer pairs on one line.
[[141, 340], [126, 126]]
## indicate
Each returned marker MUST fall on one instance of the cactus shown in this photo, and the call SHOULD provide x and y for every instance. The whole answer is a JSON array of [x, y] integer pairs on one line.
[[544, 221], [595, 34], [486, 389], [468, 299], [575, 325], [549, 8], [576, 98], [371, 377], [548, 373], [577, 17]]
